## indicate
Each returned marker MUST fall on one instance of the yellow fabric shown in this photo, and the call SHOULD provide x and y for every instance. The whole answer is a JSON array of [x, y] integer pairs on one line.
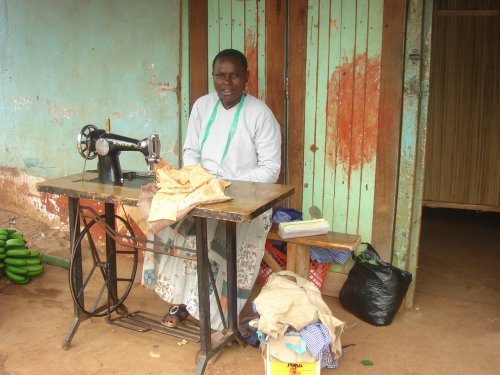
[[179, 191]]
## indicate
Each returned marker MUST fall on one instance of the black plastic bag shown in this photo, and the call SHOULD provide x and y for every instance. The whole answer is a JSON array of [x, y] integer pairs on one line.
[[374, 289]]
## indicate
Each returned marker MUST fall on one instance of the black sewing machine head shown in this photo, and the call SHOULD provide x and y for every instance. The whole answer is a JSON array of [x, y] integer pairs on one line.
[[106, 146]]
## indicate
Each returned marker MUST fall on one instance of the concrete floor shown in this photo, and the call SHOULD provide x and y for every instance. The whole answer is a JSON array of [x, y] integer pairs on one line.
[[453, 329]]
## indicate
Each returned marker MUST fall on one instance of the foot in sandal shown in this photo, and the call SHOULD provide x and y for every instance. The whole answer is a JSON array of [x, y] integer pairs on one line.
[[176, 315]]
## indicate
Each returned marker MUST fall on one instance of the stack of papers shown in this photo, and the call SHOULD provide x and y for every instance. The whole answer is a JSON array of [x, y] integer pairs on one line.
[[303, 228]]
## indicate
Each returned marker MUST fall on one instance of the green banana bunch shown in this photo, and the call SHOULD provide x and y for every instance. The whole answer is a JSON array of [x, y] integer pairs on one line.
[[18, 262]]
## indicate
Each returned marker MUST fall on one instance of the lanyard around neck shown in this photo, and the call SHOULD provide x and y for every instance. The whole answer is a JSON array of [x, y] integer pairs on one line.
[[231, 130]]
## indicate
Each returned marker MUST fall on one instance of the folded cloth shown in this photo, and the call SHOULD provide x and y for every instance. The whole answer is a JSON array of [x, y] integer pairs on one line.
[[317, 338], [283, 215], [322, 255], [176, 193]]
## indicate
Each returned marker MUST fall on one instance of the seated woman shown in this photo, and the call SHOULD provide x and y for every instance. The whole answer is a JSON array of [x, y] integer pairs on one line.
[[234, 136]]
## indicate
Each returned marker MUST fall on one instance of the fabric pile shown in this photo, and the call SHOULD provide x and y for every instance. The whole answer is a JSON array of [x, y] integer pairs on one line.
[[296, 322], [177, 192]]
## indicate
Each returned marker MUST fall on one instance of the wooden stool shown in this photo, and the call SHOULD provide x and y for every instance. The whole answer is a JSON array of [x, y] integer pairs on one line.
[[298, 257]]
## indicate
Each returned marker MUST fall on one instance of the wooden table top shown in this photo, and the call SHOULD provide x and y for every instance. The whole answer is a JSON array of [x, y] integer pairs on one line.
[[250, 199]]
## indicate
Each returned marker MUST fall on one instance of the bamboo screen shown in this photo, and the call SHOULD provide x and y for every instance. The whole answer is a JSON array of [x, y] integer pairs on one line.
[[463, 134]]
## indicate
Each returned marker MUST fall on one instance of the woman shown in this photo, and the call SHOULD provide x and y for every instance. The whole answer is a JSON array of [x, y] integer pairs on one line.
[[235, 136]]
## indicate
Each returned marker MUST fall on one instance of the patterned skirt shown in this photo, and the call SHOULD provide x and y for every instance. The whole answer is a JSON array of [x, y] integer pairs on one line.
[[175, 279]]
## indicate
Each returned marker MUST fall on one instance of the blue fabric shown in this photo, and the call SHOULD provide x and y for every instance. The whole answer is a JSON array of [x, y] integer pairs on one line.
[[285, 215], [322, 255], [327, 359], [317, 338]]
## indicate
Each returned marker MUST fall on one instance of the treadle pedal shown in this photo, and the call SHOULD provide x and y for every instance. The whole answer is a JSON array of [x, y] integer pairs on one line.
[[142, 321]]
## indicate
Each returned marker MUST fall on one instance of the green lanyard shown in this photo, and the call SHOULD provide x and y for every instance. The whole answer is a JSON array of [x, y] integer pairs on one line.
[[231, 131]]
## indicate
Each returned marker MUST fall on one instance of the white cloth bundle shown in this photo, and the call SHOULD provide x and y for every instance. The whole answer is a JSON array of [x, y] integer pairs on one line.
[[303, 228]]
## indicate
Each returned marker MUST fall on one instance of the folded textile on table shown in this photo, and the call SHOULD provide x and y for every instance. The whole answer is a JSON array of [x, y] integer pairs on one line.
[[177, 192], [282, 215], [303, 228], [322, 255]]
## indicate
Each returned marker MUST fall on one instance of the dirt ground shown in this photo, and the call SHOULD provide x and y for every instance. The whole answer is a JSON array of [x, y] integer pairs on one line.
[[454, 327]]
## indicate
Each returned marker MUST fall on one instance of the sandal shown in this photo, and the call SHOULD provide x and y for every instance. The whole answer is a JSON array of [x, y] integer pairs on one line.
[[176, 315]]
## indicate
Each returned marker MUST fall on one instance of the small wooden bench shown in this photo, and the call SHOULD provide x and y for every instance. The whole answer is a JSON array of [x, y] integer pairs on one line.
[[299, 255]]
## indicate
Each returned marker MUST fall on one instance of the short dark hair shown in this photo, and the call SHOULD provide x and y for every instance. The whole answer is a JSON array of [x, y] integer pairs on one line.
[[231, 53]]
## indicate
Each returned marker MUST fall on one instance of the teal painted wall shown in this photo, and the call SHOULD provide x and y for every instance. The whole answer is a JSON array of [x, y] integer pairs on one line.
[[68, 63], [344, 43]]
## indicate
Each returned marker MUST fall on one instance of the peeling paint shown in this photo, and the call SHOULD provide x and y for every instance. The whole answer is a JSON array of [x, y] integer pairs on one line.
[[253, 63], [22, 102], [353, 83], [57, 111]]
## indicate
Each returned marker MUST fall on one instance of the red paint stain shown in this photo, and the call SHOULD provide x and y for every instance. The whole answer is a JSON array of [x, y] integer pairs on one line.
[[352, 113], [253, 63]]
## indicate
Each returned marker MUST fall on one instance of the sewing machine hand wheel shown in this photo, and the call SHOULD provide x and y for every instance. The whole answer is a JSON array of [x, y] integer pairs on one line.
[[84, 142]]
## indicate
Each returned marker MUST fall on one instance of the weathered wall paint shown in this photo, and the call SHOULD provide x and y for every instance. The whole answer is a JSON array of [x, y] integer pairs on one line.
[[413, 139], [342, 109], [240, 25], [69, 63]]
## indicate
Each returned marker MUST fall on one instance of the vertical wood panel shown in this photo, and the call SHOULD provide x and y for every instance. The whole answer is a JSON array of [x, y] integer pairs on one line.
[[332, 118], [360, 71], [198, 50], [463, 150], [297, 42], [341, 117], [391, 84], [318, 180], [275, 72], [310, 107], [345, 124], [371, 117]]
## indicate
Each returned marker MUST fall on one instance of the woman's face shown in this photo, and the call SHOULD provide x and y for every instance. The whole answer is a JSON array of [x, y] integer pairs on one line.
[[230, 78]]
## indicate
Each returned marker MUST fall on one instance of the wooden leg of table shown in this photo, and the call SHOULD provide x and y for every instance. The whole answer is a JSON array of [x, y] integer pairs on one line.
[[298, 259], [291, 257]]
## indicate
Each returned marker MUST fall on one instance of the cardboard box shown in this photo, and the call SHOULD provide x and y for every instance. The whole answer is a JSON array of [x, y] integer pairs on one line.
[[274, 367]]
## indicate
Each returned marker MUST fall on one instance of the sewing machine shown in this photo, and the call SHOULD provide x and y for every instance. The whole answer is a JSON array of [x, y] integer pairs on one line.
[[93, 142]]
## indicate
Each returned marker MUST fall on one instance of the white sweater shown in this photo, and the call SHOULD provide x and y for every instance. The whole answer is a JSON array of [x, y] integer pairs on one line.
[[255, 150]]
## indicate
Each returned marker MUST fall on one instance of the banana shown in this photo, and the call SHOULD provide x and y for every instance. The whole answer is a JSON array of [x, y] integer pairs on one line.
[[13, 242], [2, 250], [8, 230], [3, 237], [17, 235], [16, 261], [33, 268], [18, 247], [3, 231], [18, 252], [3, 256], [34, 253], [29, 261], [2, 265], [34, 273], [19, 279], [16, 270], [2, 243]]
